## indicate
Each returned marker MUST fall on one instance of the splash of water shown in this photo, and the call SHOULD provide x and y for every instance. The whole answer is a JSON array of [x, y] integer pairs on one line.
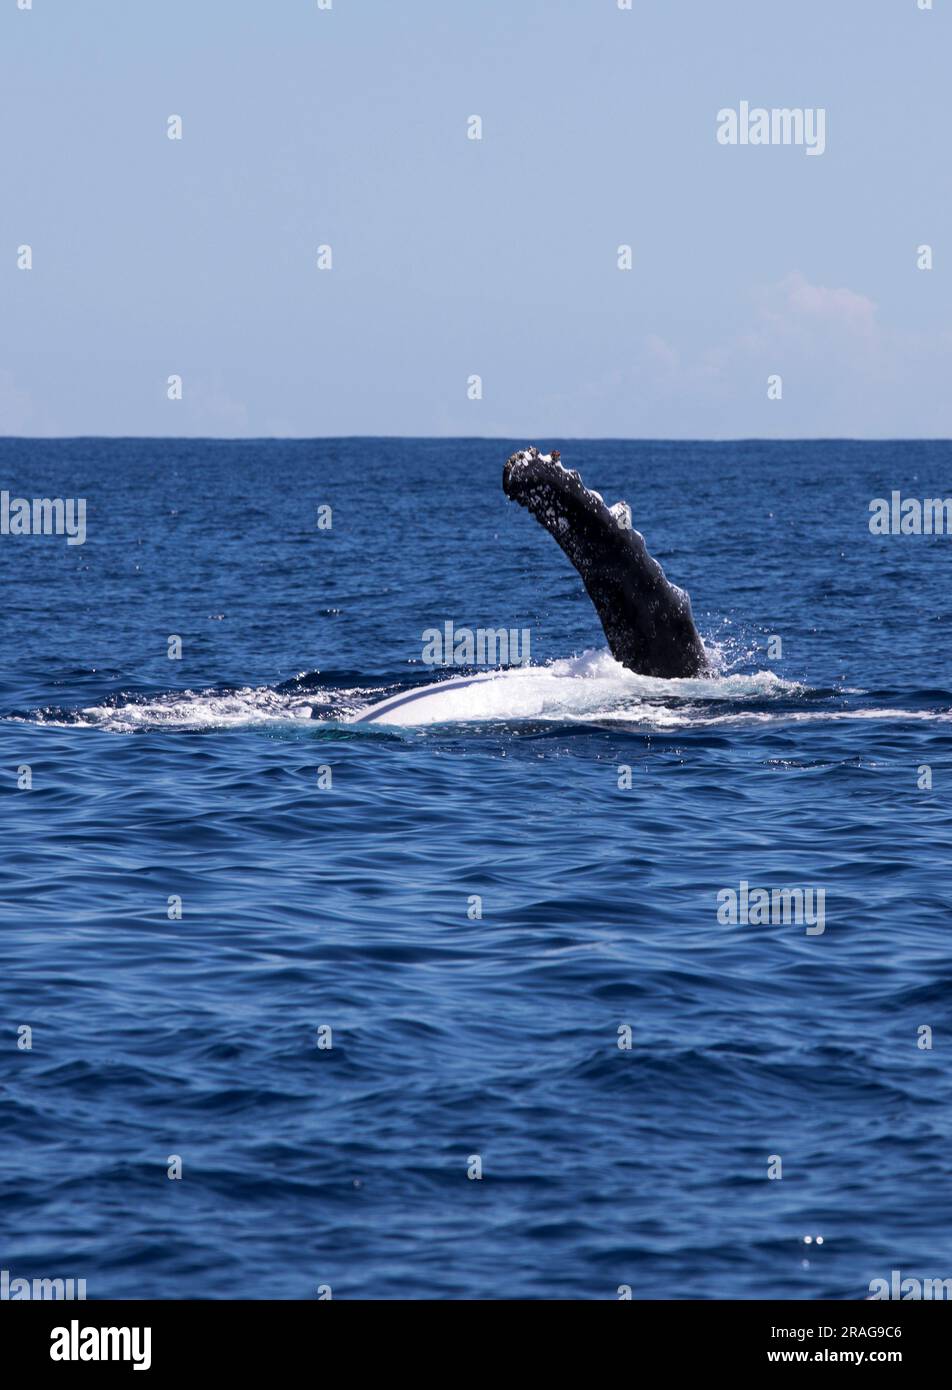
[[591, 688]]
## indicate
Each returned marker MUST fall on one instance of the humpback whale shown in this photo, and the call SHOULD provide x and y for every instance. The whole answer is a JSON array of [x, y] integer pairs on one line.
[[646, 618]]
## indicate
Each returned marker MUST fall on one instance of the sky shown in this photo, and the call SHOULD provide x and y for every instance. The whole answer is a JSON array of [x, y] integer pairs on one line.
[[454, 258]]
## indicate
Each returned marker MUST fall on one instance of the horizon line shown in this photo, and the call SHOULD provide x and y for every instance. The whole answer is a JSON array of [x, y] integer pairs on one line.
[[573, 438]]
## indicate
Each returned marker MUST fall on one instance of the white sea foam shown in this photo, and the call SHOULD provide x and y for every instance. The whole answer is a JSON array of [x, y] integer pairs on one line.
[[204, 709], [591, 688]]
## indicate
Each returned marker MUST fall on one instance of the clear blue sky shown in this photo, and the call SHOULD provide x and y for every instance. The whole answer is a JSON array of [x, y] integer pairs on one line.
[[452, 256]]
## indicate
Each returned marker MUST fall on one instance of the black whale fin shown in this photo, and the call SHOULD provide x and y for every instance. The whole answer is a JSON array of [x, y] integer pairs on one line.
[[647, 620]]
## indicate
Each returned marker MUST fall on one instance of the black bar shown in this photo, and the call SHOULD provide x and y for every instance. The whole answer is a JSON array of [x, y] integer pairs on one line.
[[257, 1337]]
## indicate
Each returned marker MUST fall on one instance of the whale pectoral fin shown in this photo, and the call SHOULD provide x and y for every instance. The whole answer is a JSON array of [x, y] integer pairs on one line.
[[646, 619]]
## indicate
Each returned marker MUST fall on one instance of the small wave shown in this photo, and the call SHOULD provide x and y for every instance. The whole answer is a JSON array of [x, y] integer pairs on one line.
[[695, 717], [203, 709]]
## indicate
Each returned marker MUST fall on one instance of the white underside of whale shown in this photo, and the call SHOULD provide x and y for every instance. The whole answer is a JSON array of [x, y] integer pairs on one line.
[[592, 686], [445, 701]]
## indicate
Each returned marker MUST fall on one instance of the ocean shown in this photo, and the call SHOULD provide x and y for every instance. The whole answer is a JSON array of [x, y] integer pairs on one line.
[[451, 1010]]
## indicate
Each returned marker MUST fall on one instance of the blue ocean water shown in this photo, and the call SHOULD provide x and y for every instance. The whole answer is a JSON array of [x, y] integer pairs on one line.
[[349, 906]]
